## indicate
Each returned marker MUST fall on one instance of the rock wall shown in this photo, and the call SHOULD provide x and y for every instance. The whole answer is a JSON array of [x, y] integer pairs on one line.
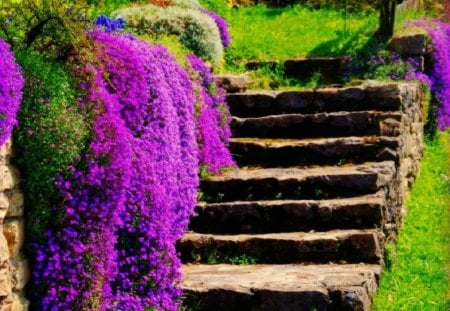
[[13, 265]]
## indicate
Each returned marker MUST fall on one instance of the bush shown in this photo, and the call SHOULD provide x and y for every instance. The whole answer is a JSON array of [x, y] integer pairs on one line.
[[196, 30]]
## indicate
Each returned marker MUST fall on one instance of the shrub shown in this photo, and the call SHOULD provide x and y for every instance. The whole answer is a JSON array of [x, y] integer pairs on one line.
[[11, 83], [222, 25], [196, 30], [56, 28]]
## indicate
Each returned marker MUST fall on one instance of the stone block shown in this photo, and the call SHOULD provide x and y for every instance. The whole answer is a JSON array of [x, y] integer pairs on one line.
[[13, 230], [233, 83], [4, 205], [409, 44], [9, 177], [16, 200], [20, 275], [5, 152], [19, 303]]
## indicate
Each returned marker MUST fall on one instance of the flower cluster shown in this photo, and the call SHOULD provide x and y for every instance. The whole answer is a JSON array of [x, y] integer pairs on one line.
[[109, 24], [440, 77], [384, 64], [11, 83], [213, 118], [128, 198], [222, 25]]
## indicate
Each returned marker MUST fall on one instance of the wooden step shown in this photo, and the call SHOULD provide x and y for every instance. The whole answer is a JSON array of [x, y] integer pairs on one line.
[[289, 215], [335, 124], [350, 246], [280, 287], [326, 151], [353, 98], [297, 182]]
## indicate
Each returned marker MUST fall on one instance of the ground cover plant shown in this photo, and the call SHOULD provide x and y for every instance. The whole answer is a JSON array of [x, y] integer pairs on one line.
[[116, 130], [416, 276]]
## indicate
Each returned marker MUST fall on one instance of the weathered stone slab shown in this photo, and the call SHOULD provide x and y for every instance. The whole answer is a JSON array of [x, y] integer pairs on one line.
[[14, 232], [298, 183], [315, 151], [280, 287], [289, 215], [351, 246], [233, 83], [336, 124], [409, 44]]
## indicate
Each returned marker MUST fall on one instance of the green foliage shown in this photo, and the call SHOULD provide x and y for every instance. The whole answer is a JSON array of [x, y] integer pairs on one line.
[[243, 260], [269, 77], [54, 27], [417, 278], [196, 31], [52, 132], [219, 6]]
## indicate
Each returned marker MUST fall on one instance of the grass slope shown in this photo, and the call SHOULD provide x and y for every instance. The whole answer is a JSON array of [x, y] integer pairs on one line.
[[259, 32], [417, 274]]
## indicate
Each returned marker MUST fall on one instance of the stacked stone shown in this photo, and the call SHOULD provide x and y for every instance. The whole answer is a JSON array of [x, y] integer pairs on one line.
[[13, 266]]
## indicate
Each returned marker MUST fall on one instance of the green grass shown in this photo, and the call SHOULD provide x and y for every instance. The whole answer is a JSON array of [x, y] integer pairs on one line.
[[259, 32], [417, 278]]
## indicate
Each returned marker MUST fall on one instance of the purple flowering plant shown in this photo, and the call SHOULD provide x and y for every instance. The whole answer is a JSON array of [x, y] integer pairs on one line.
[[221, 24], [11, 83], [213, 131]]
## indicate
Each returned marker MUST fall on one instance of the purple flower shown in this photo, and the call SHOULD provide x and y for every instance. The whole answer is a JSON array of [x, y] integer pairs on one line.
[[11, 84], [222, 25]]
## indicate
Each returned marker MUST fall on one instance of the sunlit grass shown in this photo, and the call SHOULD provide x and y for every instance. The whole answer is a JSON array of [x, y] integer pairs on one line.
[[259, 32], [418, 277]]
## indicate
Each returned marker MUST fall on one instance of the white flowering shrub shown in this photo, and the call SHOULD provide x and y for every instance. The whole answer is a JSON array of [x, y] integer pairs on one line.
[[196, 30]]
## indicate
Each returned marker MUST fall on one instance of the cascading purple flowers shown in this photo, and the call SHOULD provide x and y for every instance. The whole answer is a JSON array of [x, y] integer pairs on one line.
[[440, 76], [129, 198], [440, 35], [222, 25], [213, 119], [11, 84]]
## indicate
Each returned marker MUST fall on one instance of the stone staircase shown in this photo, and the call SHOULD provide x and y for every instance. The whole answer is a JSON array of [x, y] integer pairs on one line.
[[318, 190]]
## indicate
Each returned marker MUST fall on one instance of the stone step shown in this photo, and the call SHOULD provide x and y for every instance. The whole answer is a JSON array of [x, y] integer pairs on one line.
[[280, 287], [350, 246], [289, 215], [335, 124], [330, 68], [388, 97], [297, 183], [325, 151]]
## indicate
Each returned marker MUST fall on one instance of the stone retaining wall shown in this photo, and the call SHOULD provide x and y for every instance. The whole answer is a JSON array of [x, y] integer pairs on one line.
[[13, 266]]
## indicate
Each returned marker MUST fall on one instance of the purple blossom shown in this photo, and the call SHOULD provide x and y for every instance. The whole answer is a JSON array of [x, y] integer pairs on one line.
[[109, 24], [11, 84], [439, 78], [213, 129], [222, 25]]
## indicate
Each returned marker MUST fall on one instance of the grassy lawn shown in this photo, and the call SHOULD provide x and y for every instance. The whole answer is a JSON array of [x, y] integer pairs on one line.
[[417, 278], [259, 32]]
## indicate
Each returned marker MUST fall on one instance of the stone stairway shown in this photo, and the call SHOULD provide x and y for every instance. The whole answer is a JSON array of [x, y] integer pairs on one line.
[[318, 190]]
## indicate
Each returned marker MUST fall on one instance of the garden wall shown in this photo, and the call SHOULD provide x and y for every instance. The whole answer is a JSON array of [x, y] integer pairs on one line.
[[13, 266]]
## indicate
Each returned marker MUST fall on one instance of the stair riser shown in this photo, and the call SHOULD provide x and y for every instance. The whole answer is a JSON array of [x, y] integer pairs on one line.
[[288, 217], [312, 126], [313, 187], [257, 104], [312, 154], [352, 249]]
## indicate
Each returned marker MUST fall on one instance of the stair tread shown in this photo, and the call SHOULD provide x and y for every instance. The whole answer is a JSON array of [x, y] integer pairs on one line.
[[289, 277], [248, 173], [376, 198], [293, 236], [322, 116], [285, 142]]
